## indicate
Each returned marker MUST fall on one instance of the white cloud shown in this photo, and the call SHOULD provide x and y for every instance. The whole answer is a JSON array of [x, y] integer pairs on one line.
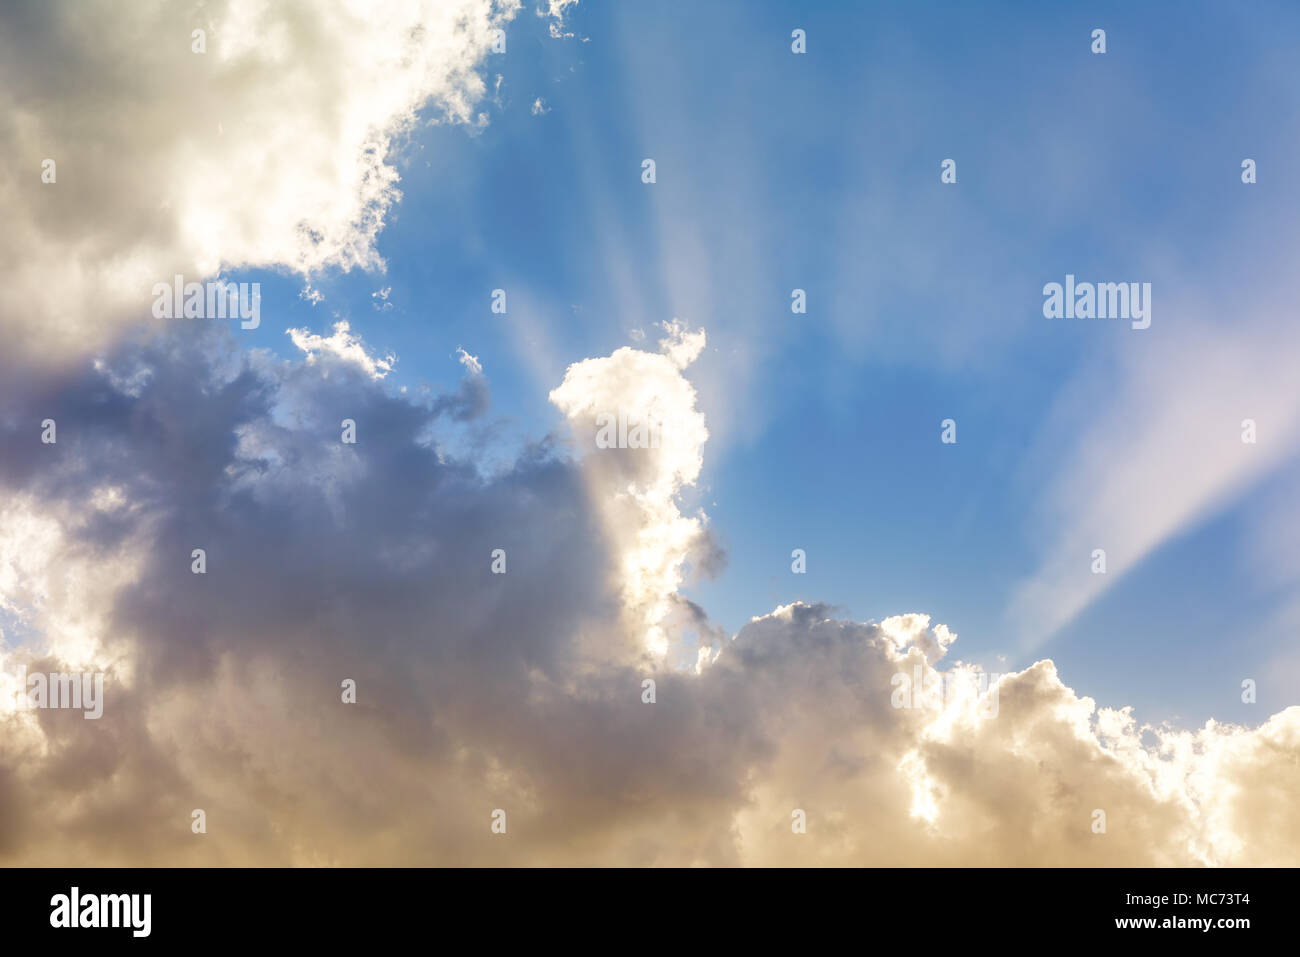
[[273, 148], [469, 362], [344, 345], [555, 9], [951, 785], [636, 489]]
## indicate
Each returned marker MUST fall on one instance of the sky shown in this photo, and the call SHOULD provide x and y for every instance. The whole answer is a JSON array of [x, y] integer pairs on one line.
[[381, 173]]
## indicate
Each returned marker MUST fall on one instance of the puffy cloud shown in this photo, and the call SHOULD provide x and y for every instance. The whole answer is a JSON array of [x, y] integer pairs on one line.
[[520, 691], [635, 478], [324, 561], [346, 346], [270, 149], [469, 362]]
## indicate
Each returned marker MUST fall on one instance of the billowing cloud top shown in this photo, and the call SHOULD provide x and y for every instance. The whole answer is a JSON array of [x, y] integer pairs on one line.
[[522, 691], [636, 487]]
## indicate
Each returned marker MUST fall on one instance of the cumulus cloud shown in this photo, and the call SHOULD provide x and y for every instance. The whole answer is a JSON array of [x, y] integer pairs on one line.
[[307, 541], [636, 488], [344, 345], [270, 149], [520, 691]]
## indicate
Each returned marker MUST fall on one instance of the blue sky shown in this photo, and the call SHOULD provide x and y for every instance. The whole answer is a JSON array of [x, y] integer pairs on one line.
[[821, 171]]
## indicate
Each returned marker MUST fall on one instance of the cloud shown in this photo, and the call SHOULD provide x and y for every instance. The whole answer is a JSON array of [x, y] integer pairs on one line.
[[556, 10], [343, 344], [636, 488], [271, 149], [373, 561], [520, 691]]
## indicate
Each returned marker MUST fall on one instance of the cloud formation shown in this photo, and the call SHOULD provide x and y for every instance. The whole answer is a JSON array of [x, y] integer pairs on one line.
[[521, 691], [270, 148], [325, 561], [636, 489]]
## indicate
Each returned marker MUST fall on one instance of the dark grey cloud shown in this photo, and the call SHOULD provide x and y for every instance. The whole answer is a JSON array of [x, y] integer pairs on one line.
[[477, 691]]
